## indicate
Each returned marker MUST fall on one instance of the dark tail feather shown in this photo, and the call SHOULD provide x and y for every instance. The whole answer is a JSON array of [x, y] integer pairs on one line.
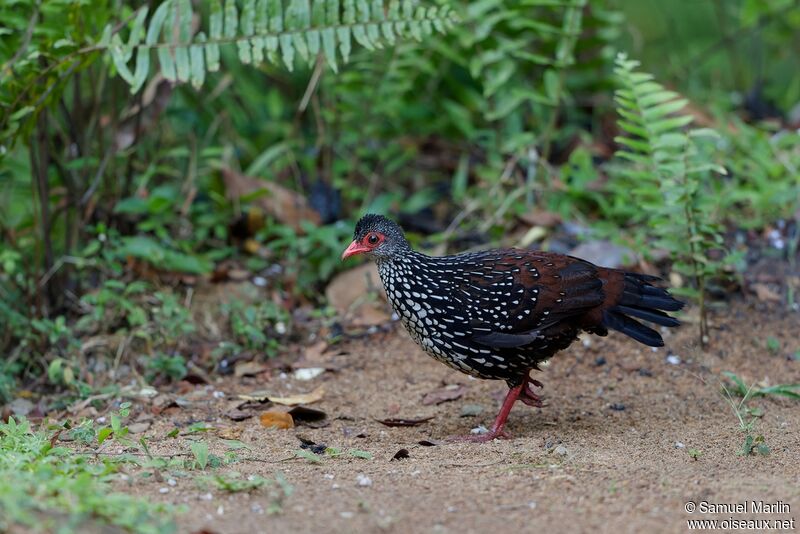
[[644, 301], [651, 315], [633, 328]]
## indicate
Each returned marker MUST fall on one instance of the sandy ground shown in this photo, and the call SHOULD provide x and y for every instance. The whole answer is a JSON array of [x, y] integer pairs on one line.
[[609, 452]]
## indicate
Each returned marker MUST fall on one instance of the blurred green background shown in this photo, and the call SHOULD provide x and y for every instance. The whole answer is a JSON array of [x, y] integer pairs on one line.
[[497, 126]]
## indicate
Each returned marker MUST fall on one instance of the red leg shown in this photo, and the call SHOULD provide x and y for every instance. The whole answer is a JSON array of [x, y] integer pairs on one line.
[[497, 427]]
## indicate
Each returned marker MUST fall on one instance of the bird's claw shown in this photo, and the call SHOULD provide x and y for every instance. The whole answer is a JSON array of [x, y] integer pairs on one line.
[[528, 396]]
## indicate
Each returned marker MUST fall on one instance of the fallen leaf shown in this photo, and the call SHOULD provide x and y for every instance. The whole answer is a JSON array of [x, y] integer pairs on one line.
[[428, 443], [238, 415], [314, 352], [285, 205], [303, 398], [229, 432], [399, 455], [276, 420], [396, 421], [243, 368], [304, 413], [292, 400], [358, 295], [765, 293], [448, 393]]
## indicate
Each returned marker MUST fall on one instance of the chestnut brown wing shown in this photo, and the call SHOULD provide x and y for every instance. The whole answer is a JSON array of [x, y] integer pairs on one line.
[[513, 297]]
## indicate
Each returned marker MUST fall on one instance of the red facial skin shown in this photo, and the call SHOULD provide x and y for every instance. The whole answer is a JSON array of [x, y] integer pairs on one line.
[[360, 247]]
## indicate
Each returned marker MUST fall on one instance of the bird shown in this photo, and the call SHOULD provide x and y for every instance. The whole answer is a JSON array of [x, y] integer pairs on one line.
[[497, 314]]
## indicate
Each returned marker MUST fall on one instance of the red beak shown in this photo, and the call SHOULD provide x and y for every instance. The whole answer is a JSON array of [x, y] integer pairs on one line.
[[354, 248]]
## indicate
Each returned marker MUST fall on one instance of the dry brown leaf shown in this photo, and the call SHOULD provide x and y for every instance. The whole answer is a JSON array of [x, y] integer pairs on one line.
[[445, 394], [397, 421], [313, 353], [358, 295], [291, 400], [281, 420], [229, 432], [399, 455], [765, 293], [248, 368], [285, 205], [303, 398]]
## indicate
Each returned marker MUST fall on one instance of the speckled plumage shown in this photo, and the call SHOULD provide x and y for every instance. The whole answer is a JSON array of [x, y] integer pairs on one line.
[[497, 314]]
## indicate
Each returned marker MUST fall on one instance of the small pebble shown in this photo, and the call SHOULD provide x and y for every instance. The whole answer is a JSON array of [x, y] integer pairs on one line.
[[334, 486], [308, 373], [346, 515], [172, 481], [561, 450], [532, 505], [363, 480], [479, 430], [256, 508], [220, 510], [329, 476], [163, 490], [219, 395], [599, 361], [471, 410], [673, 360], [452, 509], [259, 281], [617, 406], [207, 497], [679, 445]]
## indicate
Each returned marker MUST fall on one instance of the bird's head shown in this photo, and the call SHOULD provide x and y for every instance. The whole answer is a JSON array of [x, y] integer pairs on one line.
[[377, 237]]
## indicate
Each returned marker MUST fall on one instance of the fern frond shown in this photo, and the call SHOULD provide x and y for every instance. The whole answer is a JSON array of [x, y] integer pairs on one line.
[[263, 30]]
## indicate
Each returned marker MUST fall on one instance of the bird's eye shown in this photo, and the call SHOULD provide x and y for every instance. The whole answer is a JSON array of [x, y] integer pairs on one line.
[[372, 239]]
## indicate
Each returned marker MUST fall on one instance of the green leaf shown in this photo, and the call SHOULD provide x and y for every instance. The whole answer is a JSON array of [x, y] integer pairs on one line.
[[142, 69], [308, 455], [360, 454], [117, 51], [182, 63], [167, 63], [157, 23], [231, 19], [197, 65], [103, 434], [200, 452], [329, 47]]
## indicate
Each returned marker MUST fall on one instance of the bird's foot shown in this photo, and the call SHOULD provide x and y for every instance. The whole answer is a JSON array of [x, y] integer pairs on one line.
[[481, 438], [528, 396]]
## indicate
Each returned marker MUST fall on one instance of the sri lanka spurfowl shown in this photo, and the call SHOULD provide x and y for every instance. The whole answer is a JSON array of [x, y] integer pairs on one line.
[[497, 314]]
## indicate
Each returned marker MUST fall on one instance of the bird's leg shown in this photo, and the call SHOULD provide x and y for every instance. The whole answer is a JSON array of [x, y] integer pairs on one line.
[[496, 431], [528, 396]]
